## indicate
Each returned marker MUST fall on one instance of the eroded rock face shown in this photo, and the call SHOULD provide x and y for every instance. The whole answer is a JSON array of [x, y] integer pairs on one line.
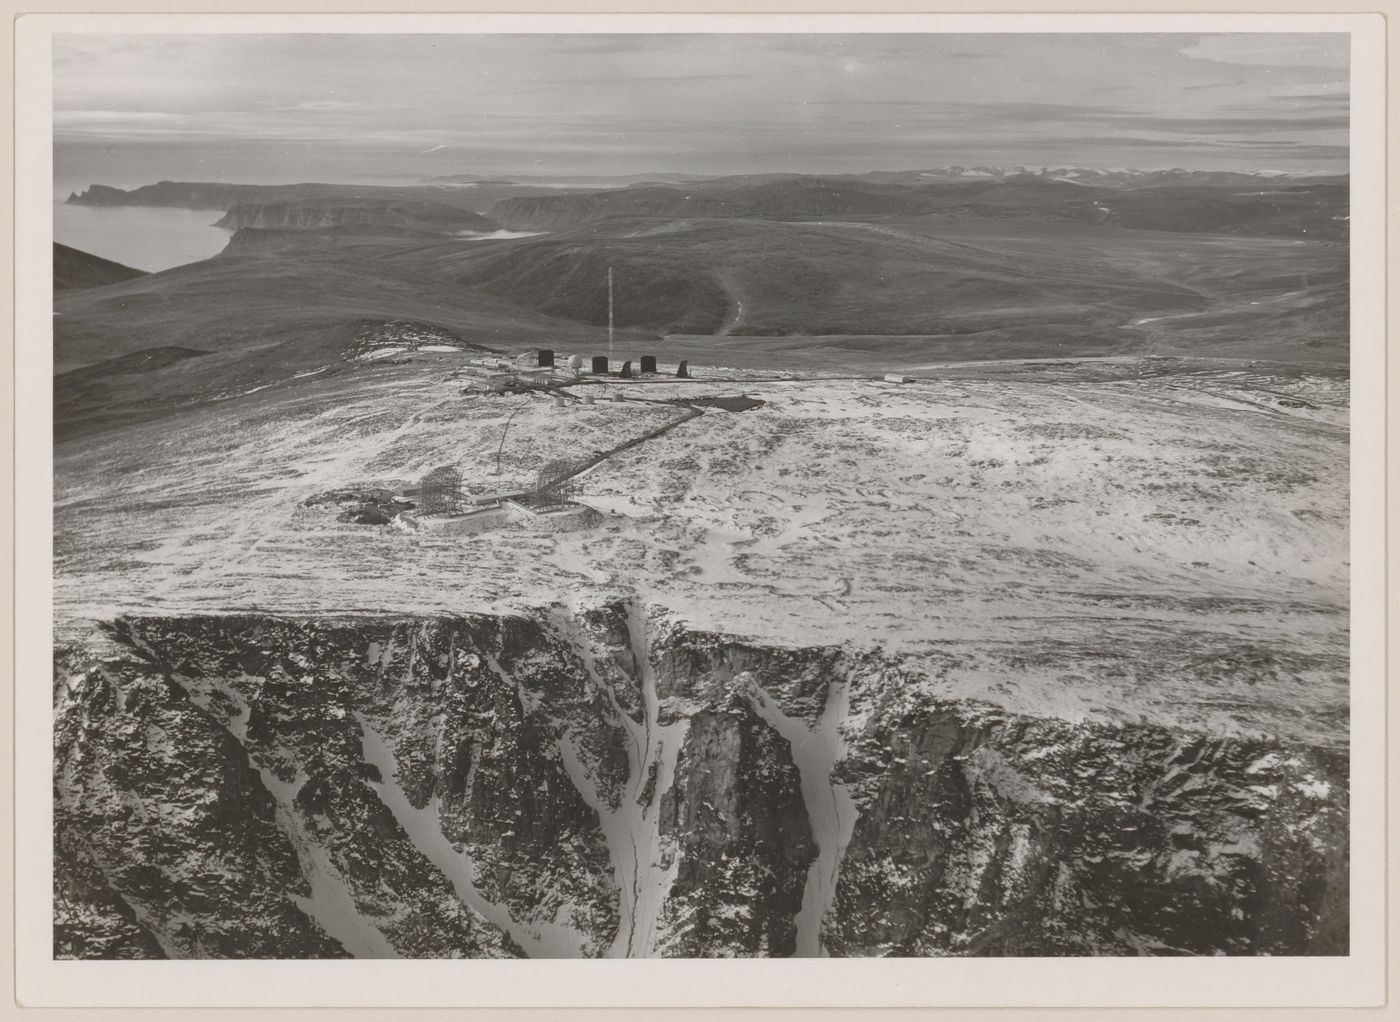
[[607, 782], [163, 826], [984, 834]]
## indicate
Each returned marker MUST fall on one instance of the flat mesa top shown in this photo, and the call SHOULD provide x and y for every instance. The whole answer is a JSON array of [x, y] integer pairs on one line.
[[1077, 539]]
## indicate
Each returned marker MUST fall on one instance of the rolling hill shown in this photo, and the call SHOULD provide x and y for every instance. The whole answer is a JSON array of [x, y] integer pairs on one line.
[[74, 269], [257, 319], [1288, 209], [903, 276], [1170, 200], [869, 286], [968, 283]]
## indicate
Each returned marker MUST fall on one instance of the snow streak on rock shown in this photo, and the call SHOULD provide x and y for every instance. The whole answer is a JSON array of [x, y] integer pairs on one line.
[[537, 939], [830, 809], [644, 866], [330, 904]]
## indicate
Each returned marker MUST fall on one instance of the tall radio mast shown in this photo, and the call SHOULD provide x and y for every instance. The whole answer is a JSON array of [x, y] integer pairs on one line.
[[610, 316]]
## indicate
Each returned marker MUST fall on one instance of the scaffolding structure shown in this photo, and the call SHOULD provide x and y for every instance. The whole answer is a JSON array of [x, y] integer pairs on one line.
[[555, 483], [440, 492]]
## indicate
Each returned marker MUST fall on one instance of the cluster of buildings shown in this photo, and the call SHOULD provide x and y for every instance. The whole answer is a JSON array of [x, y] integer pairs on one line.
[[505, 377], [600, 365]]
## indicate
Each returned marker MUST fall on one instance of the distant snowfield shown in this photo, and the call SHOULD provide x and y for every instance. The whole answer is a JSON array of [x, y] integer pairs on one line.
[[1118, 539], [500, 235]]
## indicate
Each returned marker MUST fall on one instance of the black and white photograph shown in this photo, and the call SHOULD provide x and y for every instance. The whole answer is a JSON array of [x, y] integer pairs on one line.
[[571, 494]]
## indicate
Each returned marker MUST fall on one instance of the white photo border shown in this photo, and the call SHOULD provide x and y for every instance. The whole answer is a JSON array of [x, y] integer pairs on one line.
[[1357, 979]]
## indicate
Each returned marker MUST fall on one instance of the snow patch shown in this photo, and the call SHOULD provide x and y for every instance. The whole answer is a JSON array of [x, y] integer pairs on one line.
[[500, 235], [830, 808]]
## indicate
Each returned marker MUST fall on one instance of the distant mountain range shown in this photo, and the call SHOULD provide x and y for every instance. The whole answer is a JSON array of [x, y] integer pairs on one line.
[[1193, 203], [221, 196], [1262, 203], [1120, 177]]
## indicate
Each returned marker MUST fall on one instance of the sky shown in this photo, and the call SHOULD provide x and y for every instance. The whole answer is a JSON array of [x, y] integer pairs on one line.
[[131, 109]]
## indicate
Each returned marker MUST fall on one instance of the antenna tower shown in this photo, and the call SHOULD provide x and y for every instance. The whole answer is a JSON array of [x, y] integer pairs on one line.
[[610, 315]]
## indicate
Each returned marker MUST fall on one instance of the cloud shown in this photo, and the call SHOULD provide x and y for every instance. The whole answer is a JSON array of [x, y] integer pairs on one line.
[[736, 101], [1233, 125], [322, 106], [1274, 49], [1212, 85], [991, 113], [612, 80], [1320, 100], [603, 45]]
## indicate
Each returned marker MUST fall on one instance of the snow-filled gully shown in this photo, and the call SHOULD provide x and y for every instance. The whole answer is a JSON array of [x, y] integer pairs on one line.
[[631, 828], [830, 809], [331, 904], [644, 864], [536, 938]]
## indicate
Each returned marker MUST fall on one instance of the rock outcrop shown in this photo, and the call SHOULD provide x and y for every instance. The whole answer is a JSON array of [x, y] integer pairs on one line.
[[610, 783]]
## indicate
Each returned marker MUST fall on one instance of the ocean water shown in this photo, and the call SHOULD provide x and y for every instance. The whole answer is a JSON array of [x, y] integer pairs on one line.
[[142, 237]]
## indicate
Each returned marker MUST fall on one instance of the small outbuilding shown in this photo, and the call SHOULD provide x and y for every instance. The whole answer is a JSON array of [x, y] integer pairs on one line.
[[648, 363], [897, 378], [600, 364], [546, 358]]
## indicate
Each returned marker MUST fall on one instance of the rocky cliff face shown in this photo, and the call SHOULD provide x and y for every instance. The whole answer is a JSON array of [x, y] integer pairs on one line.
[[177, 194], [609, 783]]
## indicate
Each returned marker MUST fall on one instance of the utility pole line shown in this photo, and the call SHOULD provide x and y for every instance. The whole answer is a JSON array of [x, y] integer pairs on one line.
[[502, 445]]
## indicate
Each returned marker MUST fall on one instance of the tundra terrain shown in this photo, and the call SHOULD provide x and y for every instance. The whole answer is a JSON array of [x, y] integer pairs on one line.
[[1041, 651]]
